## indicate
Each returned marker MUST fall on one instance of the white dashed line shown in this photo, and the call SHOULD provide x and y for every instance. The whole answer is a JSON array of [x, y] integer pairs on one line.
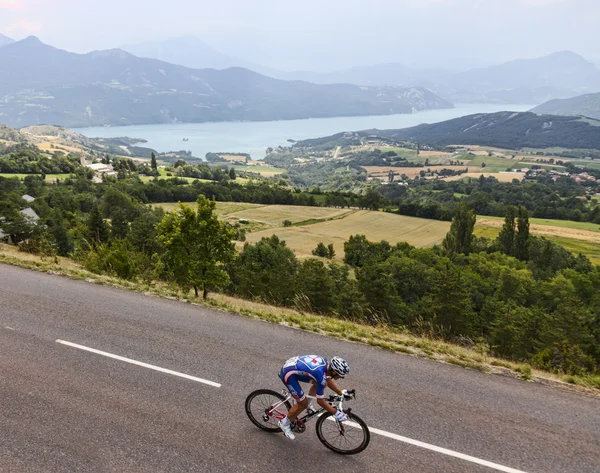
[[437, 449], [8, 328], [139, 363]]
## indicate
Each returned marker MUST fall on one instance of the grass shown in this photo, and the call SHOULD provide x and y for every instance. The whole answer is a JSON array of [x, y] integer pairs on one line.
[[381, 336]]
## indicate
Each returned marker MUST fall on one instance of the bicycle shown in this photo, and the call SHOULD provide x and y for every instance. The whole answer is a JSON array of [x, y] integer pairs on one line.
[[265, 408]]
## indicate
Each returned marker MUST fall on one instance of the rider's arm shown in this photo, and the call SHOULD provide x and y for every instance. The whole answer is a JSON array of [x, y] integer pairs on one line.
[[325, 405], [334, 387]]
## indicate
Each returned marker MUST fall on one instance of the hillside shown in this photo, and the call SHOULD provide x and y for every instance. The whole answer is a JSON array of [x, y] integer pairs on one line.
[[42, 84], [587, 105], [509, 130]]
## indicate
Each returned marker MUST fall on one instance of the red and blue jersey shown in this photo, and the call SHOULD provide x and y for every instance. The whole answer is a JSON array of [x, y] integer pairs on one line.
[[305, 368]]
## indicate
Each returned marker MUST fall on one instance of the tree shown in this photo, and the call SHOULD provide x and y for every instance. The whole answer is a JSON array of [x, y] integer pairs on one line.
[[330, 251], [15, 223], [320, 250], [316, 285], [98, 230], [153, 164], [197, 246], [522, 238], [232, 174], [506, 237], [266, 270], [460, 237], [58, 229]]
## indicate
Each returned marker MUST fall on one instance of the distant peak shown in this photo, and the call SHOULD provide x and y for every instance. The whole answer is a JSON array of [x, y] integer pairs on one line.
[[31, 40], [566, 56], [118, 53], [28, 43]]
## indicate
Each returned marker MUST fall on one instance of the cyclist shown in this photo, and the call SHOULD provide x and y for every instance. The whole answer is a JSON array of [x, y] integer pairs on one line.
[[318, 371]]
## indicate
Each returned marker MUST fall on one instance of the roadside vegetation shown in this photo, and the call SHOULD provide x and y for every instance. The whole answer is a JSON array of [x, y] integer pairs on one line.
[[514, 302]]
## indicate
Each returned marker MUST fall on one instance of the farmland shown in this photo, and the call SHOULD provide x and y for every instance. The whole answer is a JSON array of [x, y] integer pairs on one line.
[[337, 225], [311, 225], [412, 172]]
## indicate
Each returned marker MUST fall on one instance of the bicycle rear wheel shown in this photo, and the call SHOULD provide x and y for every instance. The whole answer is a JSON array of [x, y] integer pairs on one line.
[[345, 438], [259, 408]]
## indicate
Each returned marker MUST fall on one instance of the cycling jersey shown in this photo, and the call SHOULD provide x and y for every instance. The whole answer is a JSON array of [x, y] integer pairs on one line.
[[305, 368]]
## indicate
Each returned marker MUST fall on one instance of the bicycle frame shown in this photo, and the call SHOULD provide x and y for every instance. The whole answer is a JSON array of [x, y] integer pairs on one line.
[[336, 401]]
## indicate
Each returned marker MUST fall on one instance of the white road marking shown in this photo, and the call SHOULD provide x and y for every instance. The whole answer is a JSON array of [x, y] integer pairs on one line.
[[437, 449], [8, 328], [139, 363]]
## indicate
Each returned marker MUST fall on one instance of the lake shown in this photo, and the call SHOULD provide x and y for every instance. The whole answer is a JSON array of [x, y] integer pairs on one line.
[[255, 137]]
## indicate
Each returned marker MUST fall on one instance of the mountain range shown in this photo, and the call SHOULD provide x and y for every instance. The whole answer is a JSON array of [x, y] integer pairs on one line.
[[524, 81], [192, 52], [587, 105], [42, 84], [508, 130]]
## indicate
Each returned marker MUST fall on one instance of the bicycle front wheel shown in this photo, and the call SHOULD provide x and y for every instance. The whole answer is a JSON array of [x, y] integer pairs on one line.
[[346, 438], [265, 407]]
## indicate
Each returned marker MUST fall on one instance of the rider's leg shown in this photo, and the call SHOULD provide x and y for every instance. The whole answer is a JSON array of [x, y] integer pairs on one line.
[[297, 409], [293, 386], [312, 392]]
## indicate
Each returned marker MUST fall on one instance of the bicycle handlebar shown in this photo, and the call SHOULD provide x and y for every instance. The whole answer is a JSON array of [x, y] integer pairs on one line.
[[351, 395]]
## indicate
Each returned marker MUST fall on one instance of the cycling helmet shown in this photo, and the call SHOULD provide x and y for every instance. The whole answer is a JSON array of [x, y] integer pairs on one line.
[[339, 366]]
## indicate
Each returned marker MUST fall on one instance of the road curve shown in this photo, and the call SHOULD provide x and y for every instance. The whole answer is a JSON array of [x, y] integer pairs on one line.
[[63, 408]]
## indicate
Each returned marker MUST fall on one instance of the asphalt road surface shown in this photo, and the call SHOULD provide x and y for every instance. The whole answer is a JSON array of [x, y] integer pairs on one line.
[[67, 409]]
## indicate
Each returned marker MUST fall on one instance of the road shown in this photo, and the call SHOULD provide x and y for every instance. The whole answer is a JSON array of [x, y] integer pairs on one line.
[[66, 409]]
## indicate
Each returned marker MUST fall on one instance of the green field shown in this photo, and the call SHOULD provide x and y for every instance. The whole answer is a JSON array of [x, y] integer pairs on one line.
[[410, 154], [494, 164], [265, 171], [49, 177], [593, 227], [585, 163], [586, 248]]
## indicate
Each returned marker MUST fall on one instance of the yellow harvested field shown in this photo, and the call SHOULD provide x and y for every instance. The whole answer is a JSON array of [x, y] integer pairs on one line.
[[223, 208], [376, 226], [501, 176], [51, 147], [233, 157], [428, 154], [413, 172], [548, 230], [275, 215]]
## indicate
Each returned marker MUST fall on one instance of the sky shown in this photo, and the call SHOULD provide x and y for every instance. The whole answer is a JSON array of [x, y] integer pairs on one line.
[[322, 35]]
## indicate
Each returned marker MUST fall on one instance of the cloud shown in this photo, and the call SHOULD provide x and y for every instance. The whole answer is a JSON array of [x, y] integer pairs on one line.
[[24, 27]]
